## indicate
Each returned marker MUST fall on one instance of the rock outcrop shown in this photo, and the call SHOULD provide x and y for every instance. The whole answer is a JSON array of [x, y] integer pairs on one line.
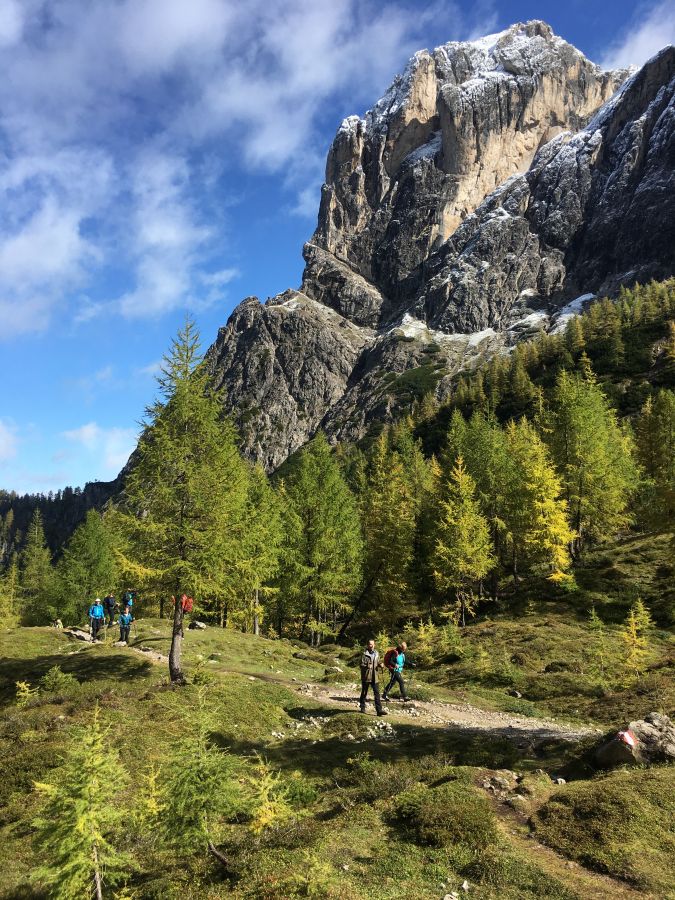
[[648, 740], [495, 182]]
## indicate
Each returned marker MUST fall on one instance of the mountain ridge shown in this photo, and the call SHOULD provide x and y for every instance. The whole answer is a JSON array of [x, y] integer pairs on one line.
[[496, 184]]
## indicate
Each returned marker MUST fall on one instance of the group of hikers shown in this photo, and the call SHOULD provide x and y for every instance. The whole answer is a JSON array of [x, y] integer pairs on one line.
[[394, 662], [102, 614]]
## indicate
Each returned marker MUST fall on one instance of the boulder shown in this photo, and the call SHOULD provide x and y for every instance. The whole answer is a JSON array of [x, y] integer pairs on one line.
[[648, 740], [196, 624]]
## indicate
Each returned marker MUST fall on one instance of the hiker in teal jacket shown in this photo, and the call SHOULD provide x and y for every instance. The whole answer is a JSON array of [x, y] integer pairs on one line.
[[96, 618], [396, 670], [125, 621]]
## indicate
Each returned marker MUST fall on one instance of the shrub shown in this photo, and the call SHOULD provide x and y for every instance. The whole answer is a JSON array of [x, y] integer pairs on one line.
[[56, 681], [449, 814]]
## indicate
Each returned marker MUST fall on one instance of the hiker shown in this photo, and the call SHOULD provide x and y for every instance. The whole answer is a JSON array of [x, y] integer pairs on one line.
[[124, 622], [96, 618], [394, 661], [128, 599], [109, 606], [370, 663]]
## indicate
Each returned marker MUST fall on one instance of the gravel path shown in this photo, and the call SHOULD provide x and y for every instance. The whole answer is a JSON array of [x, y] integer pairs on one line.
[[464, 715]]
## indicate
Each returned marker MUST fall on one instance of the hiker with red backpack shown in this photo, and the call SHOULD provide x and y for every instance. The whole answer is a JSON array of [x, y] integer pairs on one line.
[[394, 661]]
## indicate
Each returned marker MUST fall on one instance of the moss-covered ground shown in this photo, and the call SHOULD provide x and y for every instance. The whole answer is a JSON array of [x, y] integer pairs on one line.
[[394, 818]]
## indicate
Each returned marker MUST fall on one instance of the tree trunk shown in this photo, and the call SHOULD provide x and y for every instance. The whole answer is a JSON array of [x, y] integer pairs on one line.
[[161, 607], [215, 852], [358, 602], [175, 671], [98, 887], [256, 618]]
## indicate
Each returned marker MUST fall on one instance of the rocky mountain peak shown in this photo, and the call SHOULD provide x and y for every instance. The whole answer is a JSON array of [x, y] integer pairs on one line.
[[495, 183]]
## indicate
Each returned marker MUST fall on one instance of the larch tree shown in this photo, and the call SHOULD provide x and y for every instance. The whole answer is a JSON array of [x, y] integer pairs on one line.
[[594, 457], [537, 517], [329, 551], [262, 545], [388, 511], [655, 441], [76, 827], [463, 552], [87, 568], [186, 493], [37, 575]]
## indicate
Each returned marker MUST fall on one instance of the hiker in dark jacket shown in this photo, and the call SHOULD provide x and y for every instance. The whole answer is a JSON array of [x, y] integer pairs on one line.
[[109, 606], [96, 618], [396, 672], [125, 621], [370, 663]]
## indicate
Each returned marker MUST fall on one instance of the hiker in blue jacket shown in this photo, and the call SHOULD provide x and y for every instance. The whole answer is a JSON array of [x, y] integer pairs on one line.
[[396, 669], [96, 618], [125, 621]]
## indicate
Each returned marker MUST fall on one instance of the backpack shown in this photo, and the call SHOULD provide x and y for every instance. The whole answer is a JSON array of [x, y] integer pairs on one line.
[[390, 658]]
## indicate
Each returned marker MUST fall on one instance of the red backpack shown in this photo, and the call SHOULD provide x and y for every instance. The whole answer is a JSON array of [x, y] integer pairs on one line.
[[390, 658]]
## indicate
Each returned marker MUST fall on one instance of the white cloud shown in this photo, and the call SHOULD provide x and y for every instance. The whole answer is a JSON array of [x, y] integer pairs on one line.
[[111, 446], [8, 442], [109, 109], [11, 22], [652, 29]]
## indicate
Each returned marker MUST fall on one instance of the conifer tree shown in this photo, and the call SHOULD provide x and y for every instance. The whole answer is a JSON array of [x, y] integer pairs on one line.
[[88, 568], [594, 457], [635, 634], [574, 337], [186, 494], [9, 588], [598, 645], [328, 555], [201, 787], [75, 831], [655, 441], [389, 510], [262, 544], [37, 575], [537, 515], [463, 553]]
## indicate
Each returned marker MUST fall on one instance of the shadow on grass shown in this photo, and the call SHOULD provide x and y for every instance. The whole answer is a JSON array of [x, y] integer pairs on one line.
[[85, 666], [465, 746]]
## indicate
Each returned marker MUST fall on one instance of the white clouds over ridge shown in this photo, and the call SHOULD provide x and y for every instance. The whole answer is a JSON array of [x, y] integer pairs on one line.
[[652, 29], [103, 105]]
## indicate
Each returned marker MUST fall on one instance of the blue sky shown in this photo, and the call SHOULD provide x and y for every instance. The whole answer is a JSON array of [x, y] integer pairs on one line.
[[158, 156]]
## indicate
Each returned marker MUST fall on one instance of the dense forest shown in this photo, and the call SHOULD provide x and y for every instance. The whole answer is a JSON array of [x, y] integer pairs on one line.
[[534, 458]]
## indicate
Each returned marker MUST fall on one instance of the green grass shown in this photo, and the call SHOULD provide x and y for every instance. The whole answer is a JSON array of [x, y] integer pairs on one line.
[[347, 838], [621, 823]]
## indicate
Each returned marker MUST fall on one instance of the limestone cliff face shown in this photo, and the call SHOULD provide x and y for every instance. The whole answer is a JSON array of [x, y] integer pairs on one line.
[[452, 128], [494, 182]]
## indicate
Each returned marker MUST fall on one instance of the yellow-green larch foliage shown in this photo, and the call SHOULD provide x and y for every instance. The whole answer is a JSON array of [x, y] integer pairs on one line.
[[635, 635], [538, 519], [594, 457], [78, 830], [655, 441], [463, 551]]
